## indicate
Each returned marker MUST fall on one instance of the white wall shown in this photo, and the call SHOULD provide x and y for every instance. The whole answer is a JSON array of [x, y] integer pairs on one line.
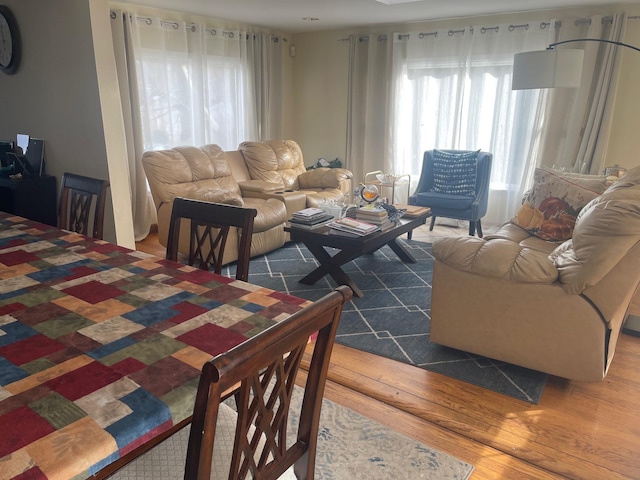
[[624, 145], [55, 93], [321, 79], [320, 83]]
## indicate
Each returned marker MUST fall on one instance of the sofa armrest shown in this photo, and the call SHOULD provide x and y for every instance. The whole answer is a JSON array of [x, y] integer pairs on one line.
[[324, 178], [260, 186], [498, 258]]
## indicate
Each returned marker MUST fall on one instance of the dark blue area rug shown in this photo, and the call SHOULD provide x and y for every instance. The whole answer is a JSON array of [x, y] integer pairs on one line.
[[392, 319]]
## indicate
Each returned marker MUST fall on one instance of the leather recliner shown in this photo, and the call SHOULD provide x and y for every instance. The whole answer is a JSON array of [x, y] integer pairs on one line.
[[553, 307]]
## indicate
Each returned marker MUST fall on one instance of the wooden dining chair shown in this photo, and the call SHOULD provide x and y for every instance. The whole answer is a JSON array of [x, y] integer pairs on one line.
[[208, 233], [252, 442], [80, 199]]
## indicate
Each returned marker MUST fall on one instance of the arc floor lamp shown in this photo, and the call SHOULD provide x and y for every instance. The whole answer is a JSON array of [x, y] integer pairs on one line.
[[552, 68]]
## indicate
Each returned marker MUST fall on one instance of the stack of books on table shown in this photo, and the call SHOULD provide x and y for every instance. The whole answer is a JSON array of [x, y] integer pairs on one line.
[[376, 215], [310, 218], [352, 227], [413, 211]]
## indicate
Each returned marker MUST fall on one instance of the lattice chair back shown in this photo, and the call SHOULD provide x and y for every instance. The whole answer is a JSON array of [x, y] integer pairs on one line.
[[81, 199], [209, 230], [264, 369], [253, 441]]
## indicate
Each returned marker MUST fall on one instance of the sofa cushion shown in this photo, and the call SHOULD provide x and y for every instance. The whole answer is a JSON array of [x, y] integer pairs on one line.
[[214, 196], [190, 172], [274, 161], [318, 196], [320, 178], [498, 258], [271, 211], [550, 208], [455, 173], [514, 233], [444, 200]]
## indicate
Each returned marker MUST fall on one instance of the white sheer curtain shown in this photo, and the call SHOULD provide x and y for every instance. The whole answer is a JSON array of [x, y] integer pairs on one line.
[[193, 84], [452, 90], [202, 84]]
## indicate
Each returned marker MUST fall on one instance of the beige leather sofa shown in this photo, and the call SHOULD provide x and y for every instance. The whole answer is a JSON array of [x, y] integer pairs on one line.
[[276, 170], [553, 307], [211, 174]]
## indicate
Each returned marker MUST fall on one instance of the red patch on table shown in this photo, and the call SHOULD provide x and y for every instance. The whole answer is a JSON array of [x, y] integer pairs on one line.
[[21, 427], [29, 349], [17, 257], [94, 292], [84, 380], [212, 339]]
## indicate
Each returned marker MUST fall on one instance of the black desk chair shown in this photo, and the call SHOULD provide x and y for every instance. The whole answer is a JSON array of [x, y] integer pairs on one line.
[[80, 199], [209, 232]]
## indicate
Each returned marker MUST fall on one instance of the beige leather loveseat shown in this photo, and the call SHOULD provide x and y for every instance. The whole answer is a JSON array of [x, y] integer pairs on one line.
[[276, 170], [268, 176], [556, 307]]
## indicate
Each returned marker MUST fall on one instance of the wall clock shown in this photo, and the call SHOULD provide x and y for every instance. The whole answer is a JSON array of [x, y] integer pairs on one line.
[[9, 41]]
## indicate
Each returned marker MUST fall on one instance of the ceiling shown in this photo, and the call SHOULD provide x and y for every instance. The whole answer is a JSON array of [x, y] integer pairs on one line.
[[288, 15]]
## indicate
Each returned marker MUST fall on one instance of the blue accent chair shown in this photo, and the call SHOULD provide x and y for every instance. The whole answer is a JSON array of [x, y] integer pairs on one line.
[[460, 207]]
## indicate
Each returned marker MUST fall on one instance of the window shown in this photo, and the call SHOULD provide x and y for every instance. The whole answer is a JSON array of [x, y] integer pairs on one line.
[[184, 103], [450, 105]]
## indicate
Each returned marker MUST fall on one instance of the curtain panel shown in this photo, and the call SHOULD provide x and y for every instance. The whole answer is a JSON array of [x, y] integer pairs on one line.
[[144, 212], [368, 122], [578, 119], [185, 83]]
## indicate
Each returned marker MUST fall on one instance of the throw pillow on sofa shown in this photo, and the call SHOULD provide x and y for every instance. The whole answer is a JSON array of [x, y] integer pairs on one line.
[[550, 208]]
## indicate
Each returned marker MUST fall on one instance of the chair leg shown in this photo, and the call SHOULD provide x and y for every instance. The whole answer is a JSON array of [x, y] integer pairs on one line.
[[433, 222], [409, 234], [479, 228], [472, 228]]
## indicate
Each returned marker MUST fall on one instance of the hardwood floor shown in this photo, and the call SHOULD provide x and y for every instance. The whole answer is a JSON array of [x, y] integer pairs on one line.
[[578, 430]]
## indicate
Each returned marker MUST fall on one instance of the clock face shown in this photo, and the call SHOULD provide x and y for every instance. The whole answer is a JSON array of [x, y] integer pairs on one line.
[[9, 41], [6, 43]]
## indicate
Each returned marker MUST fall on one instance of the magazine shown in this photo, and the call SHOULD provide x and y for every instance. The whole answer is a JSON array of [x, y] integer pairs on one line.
[[352, 225]]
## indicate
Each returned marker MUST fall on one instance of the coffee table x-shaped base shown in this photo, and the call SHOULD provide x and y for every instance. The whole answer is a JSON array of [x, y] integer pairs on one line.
[[318, 242]]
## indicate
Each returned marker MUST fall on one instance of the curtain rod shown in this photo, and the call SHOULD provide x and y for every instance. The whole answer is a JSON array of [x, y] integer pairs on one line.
[[193, 26], [422, 35]]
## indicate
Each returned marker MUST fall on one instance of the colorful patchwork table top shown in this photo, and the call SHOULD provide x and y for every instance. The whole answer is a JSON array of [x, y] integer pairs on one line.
[[101, 347]]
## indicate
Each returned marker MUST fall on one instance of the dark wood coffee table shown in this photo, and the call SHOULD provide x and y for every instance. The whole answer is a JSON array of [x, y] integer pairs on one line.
[[350, 248]]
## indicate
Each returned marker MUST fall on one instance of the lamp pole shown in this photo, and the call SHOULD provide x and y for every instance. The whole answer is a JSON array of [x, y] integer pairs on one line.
[[601, 40]]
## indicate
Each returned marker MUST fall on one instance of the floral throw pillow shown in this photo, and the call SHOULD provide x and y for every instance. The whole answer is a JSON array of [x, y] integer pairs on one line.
[[550, 208], [455, 173]]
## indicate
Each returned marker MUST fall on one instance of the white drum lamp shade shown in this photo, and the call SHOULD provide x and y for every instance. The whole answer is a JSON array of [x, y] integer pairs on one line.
[[547, 69]]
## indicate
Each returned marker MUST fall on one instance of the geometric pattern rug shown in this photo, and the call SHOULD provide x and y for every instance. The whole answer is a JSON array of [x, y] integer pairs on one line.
[[392, 319]]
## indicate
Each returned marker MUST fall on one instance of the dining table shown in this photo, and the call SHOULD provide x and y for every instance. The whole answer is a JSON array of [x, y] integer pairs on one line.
[[101, 347]]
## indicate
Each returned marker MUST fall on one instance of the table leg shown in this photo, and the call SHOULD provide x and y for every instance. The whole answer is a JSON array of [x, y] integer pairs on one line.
[[331, 265], [402, 253]]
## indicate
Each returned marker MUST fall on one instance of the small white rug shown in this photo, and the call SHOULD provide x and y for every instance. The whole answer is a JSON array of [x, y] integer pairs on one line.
[[354, 447]]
